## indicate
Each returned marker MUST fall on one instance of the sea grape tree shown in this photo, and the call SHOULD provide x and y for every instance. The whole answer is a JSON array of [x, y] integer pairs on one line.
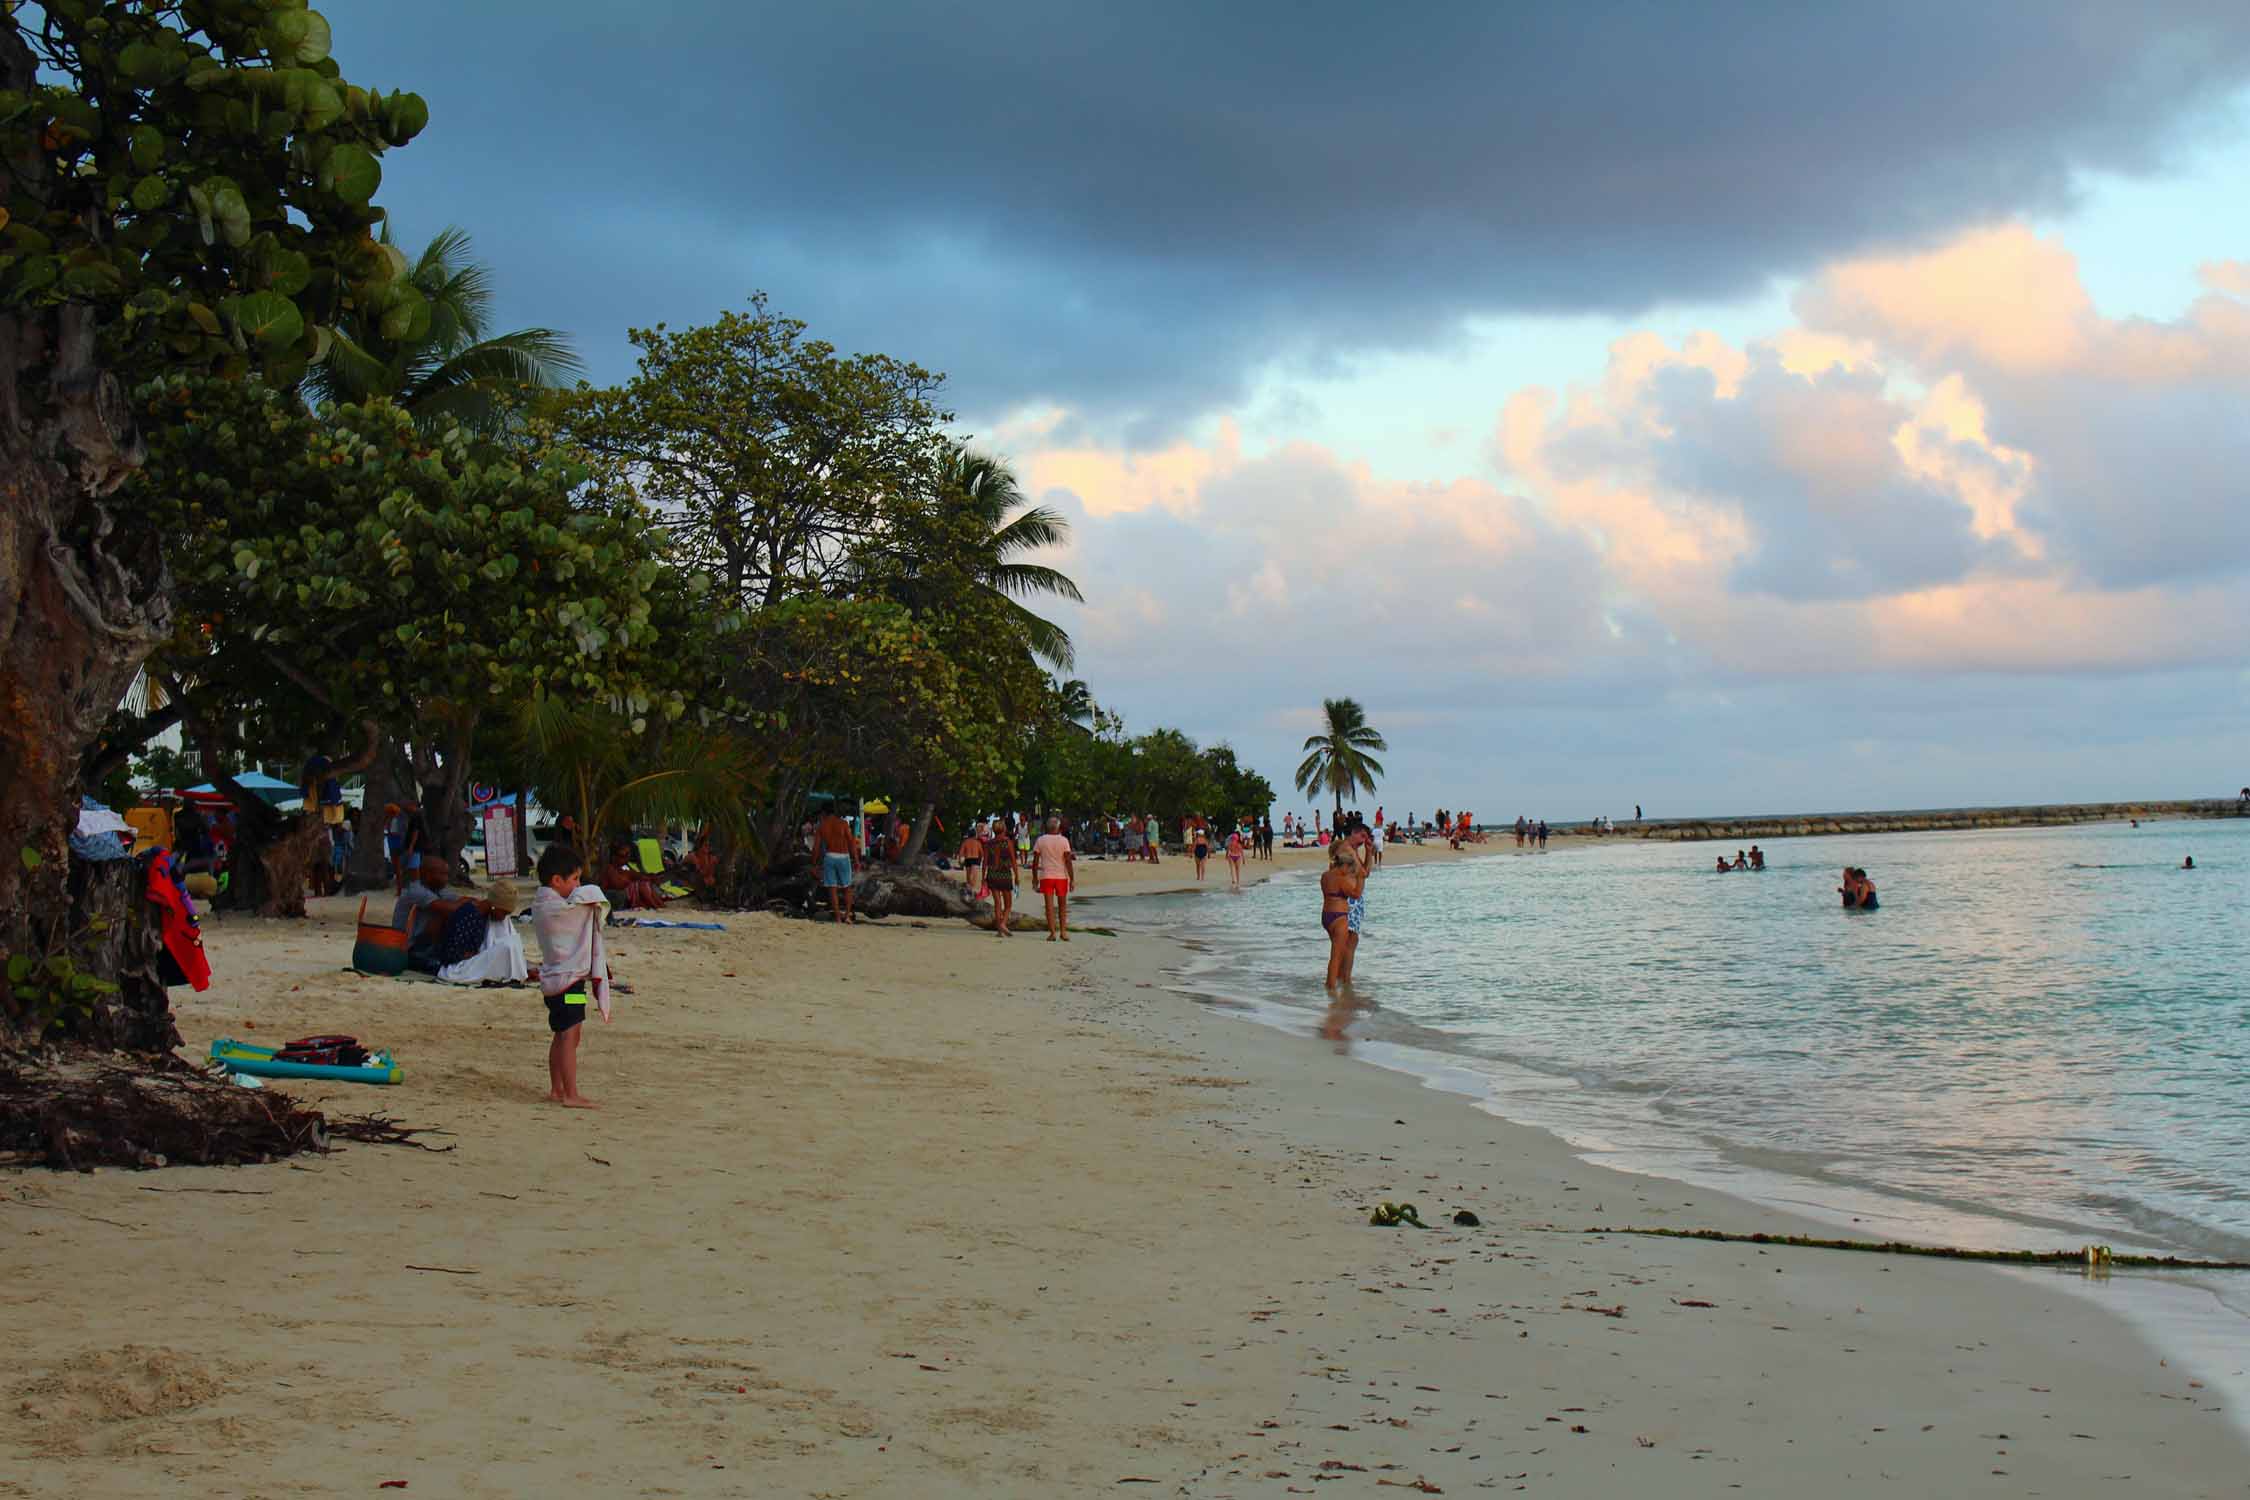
[[183, 185]]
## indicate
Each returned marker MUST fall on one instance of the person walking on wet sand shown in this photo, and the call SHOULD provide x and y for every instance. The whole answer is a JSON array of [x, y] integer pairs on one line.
[[839, 863], [1057, 869], [1234, 860]]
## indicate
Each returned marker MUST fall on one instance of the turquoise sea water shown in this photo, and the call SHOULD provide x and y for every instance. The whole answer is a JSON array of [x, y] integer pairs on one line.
[[2043, 1036]]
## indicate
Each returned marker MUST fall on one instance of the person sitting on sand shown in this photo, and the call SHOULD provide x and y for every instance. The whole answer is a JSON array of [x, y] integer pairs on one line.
[[1000, 877], [479, 944], [704, 865], [620, 876], [573, 965], [1339, 888], [412, 914]]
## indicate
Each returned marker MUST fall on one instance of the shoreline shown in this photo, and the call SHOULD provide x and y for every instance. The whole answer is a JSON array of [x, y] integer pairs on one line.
[[2185, 1314], [890, 1211]]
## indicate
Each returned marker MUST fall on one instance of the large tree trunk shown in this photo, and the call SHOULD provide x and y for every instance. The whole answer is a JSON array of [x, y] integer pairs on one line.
[[124, 936], [441, 770], [388, 778], [82, 601], [920, 835]]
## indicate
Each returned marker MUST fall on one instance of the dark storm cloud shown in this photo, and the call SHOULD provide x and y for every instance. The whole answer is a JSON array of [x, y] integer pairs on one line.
[[1131, 207]]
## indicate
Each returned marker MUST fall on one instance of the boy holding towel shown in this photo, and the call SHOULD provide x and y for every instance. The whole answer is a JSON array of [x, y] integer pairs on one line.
[[573, 965]]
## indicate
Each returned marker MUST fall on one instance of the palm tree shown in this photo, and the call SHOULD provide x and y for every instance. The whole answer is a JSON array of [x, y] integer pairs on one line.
[[1008, 527], [1339, 760], [1075, 701], [589, 762], [454, 373]]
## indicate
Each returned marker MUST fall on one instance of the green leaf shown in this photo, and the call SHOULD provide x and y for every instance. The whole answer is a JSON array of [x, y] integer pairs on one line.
[[150, 192], [404, 117], [229, 210], [147, 147], [271, 319], [20, 966], [31, 859], [288, 271], [199, 198], [351, 172], [299, 36], [143, 63], [406, 315]]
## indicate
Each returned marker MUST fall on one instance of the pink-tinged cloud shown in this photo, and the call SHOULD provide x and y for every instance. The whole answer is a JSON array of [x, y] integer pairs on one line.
[[1953, 463]]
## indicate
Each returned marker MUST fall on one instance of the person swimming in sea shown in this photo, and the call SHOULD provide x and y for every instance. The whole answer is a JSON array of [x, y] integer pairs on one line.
[[1722, 866], [1857, 890], [1757, 858], [2188, 863]]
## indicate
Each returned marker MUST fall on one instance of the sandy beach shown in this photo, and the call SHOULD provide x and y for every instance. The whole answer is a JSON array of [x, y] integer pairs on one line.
[[904, 1210]]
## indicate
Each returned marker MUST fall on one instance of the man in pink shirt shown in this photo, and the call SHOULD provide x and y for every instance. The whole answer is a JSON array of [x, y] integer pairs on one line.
[[1057, 869]]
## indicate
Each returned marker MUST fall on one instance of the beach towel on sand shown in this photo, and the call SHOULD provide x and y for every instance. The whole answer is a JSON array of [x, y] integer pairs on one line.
[[570, 942]]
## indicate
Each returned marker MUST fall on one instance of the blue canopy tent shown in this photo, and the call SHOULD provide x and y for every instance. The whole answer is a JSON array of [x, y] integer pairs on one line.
[[270, 790]]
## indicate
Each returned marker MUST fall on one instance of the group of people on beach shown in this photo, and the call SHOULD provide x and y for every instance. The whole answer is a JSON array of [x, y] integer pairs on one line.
[[990, 857], [1754, 860]]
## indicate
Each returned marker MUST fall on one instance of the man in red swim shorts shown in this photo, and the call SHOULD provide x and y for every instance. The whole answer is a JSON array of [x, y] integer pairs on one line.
[[1057, 869]]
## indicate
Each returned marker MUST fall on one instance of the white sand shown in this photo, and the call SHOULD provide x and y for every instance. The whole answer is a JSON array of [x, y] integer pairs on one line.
[[914, 1211]]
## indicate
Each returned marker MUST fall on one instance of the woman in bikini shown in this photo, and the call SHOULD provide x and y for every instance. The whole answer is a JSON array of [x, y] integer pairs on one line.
[[1000, 876], [1339, 889], [1234, 859], [1199, 836]]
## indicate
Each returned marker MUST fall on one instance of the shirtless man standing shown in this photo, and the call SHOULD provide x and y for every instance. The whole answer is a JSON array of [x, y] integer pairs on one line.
[[839, 863]]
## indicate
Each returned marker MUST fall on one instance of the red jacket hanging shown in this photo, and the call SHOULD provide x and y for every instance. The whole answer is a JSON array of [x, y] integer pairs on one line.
[[182, 938]]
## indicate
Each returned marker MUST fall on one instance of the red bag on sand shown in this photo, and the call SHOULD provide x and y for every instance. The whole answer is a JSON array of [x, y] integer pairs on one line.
[[327, 1051]]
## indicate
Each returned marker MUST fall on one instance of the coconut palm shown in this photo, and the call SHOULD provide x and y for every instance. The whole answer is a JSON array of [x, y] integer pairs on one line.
[[1074, 701], [1339, 761], [982, 490], [588, 761], [455, 372]]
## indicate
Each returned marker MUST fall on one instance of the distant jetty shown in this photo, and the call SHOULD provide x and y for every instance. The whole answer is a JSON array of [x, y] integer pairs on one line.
[[1812, 825]]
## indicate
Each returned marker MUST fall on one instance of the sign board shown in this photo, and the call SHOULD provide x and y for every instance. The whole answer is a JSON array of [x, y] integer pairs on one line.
[[499, 840]]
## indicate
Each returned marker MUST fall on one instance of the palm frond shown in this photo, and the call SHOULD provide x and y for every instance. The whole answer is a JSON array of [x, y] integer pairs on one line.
[[1025, 579]]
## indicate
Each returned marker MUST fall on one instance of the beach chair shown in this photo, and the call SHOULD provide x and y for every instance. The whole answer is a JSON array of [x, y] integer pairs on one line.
[[650, 856]]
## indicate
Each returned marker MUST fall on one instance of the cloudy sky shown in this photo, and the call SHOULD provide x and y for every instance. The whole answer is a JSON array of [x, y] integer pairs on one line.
[[1730, 408]]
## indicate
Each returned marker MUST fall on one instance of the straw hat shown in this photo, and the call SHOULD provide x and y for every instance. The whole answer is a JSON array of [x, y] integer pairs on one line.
[[507, 897]]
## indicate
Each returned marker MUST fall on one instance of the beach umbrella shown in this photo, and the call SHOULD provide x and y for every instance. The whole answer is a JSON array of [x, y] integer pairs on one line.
[[268, 789]]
